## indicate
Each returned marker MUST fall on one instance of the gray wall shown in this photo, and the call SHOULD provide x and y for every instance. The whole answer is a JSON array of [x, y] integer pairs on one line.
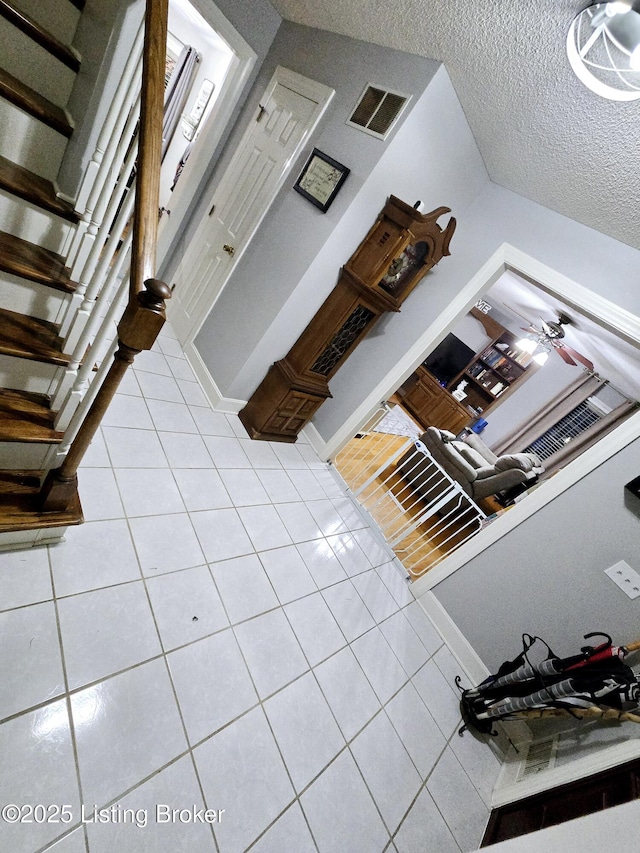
[[546, 577], [294, 232]]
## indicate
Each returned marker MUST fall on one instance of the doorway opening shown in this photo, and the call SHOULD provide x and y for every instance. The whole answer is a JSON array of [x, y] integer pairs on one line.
[[470, 384]]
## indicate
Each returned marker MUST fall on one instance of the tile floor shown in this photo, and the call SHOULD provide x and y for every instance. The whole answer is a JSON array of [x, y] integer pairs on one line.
[[224, 631]]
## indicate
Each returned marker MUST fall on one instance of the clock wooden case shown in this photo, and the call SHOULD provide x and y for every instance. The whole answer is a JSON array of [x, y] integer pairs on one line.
[[401, 247]]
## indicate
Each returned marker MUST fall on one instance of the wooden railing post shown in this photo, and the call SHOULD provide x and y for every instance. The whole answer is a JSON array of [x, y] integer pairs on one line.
[[137, 331]]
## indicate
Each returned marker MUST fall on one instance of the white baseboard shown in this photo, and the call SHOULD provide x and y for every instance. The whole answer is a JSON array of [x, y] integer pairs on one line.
[[316, 441], [207, 382]]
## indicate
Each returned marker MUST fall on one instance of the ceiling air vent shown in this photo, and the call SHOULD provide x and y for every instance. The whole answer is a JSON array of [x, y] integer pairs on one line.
[[541, 756], [377, 111]]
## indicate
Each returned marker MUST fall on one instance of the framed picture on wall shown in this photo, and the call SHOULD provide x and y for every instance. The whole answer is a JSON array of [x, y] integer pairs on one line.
[[321, 179]]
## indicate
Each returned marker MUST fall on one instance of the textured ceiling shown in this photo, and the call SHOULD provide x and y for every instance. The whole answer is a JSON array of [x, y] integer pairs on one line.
[[541, 132]]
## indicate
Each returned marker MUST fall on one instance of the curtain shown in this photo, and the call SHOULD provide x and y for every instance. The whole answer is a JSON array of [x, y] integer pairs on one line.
[[176, 93], [515, 441], [588, 438]]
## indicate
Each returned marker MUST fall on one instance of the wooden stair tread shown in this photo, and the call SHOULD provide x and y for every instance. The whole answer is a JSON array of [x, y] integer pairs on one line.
[[27, 417], [27, 260], [19, 504], [32, 102], [28, 337], [30, 187], [38, 34]]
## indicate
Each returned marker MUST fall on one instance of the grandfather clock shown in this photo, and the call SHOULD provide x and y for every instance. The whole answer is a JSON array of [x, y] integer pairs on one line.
[[398, 251]]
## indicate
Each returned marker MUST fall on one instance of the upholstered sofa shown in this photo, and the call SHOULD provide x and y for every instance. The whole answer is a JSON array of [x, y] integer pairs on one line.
[[470, 463]]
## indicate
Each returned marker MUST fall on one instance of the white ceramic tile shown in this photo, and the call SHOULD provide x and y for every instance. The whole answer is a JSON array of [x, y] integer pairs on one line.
[[299, 522], [226, 452], [405, 642], [304, 728], [202, 489], [260, 454], [321, 561], [134, 448], [72, 843], [278, 485], [38, 749], [180, 368], [176, 787], [185, 450], [30, 664], [169, 346], [285, 567], [350, 554], [425, 829], [306, 485], [290, 832], [149, 491], [152, 362], [379, 663], [388, 771], [443, 704], [129, 385], [236, 425], [24, 577], [348, 510], [212, 684], [423, 626], [221, 534], [241, 770], [451, 669], [347, 691], [126, 412], [289, 456], [327, 516], [416, 728], [165, 543], [156, 387], [310, 456], [126, 728], [376, 551], [271, 651], [244, 487], [314, 626], [478, 762], [338, 806], [375, 595], [192, 393], [96, 455], [106, 631], [99, 494], [458, 801], [331, 483], [210, 422], [244, 587], [397, 582], [84, 560], [171, 417], [186, 606], [348, 609]]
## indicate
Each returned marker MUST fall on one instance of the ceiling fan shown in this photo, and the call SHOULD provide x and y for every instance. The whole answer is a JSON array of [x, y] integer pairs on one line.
[[549, 336]]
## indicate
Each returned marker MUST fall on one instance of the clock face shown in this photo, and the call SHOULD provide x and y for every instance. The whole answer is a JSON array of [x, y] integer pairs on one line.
[[403, 267]]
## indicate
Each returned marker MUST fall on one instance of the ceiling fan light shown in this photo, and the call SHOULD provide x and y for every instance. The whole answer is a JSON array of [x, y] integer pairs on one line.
[[618, 7], [527, 344], [541, 357]]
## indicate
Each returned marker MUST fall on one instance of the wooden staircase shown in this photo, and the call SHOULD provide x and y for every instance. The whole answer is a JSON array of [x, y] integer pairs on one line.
[[35, 283]]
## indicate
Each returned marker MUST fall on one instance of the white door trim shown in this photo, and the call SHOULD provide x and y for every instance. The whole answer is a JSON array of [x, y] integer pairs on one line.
[[193, 173], [507, 257], [313, 91]]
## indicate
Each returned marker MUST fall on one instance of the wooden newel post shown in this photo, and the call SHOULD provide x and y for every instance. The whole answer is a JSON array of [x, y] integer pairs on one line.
[[138, 329]]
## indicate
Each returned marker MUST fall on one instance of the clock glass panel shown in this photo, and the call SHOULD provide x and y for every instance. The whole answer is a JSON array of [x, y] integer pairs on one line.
[[402, 268]]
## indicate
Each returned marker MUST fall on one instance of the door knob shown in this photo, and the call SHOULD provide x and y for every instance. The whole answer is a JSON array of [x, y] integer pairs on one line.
[[228, 249]]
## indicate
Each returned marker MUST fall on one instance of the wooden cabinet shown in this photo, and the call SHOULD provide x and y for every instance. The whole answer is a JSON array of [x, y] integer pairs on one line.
[[433, 405]]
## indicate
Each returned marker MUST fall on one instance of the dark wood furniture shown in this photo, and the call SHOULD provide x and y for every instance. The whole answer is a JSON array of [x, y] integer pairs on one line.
[[493, 372], [432, 405], [398, 251]]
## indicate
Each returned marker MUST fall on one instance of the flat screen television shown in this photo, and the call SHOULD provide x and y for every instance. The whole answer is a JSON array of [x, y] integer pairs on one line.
[[448, 359]]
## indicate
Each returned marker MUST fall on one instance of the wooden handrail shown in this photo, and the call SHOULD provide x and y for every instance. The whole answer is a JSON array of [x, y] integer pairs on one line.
[[144, 315]]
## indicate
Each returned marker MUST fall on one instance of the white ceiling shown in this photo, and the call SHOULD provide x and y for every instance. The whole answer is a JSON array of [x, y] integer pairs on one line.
[[541, 132]]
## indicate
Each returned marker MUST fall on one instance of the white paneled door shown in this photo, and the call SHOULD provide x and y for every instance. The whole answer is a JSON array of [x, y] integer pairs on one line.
[[288, 112]]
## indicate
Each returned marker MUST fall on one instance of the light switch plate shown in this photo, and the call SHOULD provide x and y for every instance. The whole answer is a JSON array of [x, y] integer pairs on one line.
[[625, 577]]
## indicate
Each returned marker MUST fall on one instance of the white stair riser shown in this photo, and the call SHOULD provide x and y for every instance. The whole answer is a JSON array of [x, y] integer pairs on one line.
[[59, 17], [31, 223], [34, 65], [23, 374], [20, 539], [22, 456], [30, 143], [31, 298]]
